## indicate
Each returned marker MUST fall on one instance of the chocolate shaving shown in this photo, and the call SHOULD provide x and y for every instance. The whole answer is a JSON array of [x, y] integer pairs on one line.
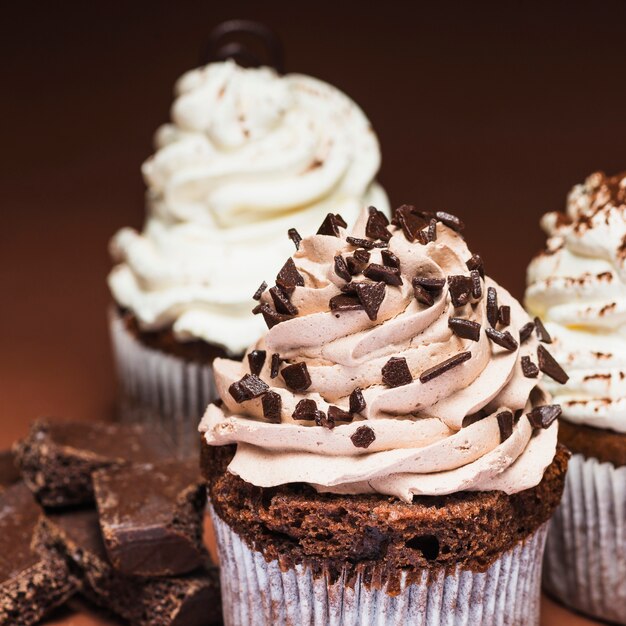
[[296, 376], [431, 233], [357, 401], [388, 275], [305, 410], [270, 316], [477, 288], [272, 406], [444, 366], [256, 360], [294, 235], [389, 258], [541, 331], [249, 387], [325, 421], [330, 225], [544, 416], [505, 424], [504, 315], [396, 372], [422, 295], [460, 288], [451, 221], [366, 243], [339, 415], [466, 329], [376, 227], [341, 269], [529, 369], [259, 292], [526, 331], [281, 302], [468, 420], [411, 223], [345, 302], [475, 262], [492, 306], [275, 365], [371, 296], [363, 437], [549, 366], [503, 339], [289, 278]]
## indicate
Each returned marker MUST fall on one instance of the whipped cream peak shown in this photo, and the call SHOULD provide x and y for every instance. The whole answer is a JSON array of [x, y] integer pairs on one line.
[[391, 364]]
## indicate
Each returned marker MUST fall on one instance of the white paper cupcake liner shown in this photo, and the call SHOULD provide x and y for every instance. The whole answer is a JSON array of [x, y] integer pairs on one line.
[[585, 562], [257, 592], [160, 389]]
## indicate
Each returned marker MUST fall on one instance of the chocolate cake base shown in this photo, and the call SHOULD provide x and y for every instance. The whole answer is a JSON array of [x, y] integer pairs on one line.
[[605, 445]]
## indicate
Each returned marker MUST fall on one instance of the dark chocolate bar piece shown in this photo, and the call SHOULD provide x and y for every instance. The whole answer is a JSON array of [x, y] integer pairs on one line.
[[151, 517], [57, 458], [190, 600], [31, 584]]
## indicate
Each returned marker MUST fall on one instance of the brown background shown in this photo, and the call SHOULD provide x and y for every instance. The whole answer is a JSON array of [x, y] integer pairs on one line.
[[490, 109]]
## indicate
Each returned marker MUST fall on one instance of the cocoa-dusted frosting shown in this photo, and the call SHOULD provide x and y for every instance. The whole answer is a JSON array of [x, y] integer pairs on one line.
[[577, 286], [391, 365]]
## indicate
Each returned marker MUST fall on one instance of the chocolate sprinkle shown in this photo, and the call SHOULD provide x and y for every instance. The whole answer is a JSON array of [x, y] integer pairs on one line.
[[504, 339], [541, 331], [339, 415], [396, 372], [389, 258], [526, 331], [249, 387], [259, 292], [357, 401], [371, 296], [505, 424], [451, 221], [330, 225], [296, 376], [544, 416], [411, 223], [477, 288], [476, 263], [376, 227], [529, 369], [504, 315], [294, 235], [366, 243], [276, 361], [270, 316], [345, 302], [549, 366], [363, 437], [289, 278], [272, 406], [282, 303], [422, 295], [492, 306], [431, 233], [341, 269], [465, 329], [460, 288], [444, 366], [256, 360], [388, 275], [305, 410]]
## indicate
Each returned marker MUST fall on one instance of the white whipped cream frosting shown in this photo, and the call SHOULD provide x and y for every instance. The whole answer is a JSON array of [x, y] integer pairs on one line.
[[421, 446], [248, 155], [577, 286]]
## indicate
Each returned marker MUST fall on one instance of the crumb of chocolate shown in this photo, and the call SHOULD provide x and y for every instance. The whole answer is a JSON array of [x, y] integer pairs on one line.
[[503, 339], [259, 292], [363, 437], [289, 278], [389, 258], [339, 415], [306, 410], [466, 329], [272, 406], [371, 296], [296, 376], [411, 222], [504, 315], [294, 235], [357, 401], [282, 303], [256, 360], [376, 227], [492, 306], [544, 416], [505, 424], [477, 288], [542, 334], [468, 420], [330, 225], [529, 369], [548, 365], [341, 269], [396, 372], [275, 364], [423, 296], [451, 221], [444, 366], [475, 262], [357, 242], [249, 387], [388, 275], [431, 232], [325, 421], [270, 316], [345, 302], [460, 288], [526, 331]]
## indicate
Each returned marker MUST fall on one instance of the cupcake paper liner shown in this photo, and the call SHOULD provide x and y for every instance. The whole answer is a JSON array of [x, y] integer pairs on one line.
[[255, 591], [160, 389], [585, 562]]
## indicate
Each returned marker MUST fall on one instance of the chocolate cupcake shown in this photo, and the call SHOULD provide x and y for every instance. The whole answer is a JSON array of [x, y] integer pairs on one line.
[[385, 454], [248, 155], [577, 287]]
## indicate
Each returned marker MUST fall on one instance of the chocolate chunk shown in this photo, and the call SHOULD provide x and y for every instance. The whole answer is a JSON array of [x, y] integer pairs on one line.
[[282, 303], [57, 458], [366, 243], [411, 223], [431, 233], [476, 263], [271, 317], [464, 328], [389, 258], [422, 295], [492, 306], [526, 331], [248, 388], [326, 421], [357, 401], [345, 302], [371, 296], [388, 275], [451, 221], [396, 372], [151, 517], [542, 333], [504, 315], [354, 265], [549, 366], [468, 420], [503, 339], [330, 225], [477, 288], [289, 278], [349, 288], [444, 366], [434, 285], [294, 235], [460, 288], [363, 255], [259, 292], [376, 227], [505, 424], [296, 376], [339, 415], [544, 416], [363, 437], [529, 369], [341, 269], [256, 361], [305, 410], [276, 361], [272, 406]]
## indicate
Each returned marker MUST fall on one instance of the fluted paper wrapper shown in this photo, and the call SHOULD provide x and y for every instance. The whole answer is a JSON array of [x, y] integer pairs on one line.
[[585, 562], [160, 389], [255, 591]]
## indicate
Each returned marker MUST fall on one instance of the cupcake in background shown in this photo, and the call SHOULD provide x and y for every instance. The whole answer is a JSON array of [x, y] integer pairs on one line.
[[249, 154], [577, 287], [386, 453]]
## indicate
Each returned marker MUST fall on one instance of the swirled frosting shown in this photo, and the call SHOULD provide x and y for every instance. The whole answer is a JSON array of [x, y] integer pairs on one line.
[[420, 428], [577, 285], [248, 155]]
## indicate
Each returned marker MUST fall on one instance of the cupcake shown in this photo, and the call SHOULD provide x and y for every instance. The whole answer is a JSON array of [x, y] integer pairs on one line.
[[248, 155], [385, 454], [577, 287]]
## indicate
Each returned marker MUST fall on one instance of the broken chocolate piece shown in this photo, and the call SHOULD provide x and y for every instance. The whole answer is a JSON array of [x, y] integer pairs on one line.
[[354, 265], [362, 255], [389, 258], [272, 406], [275, 364], [357, 401], [296, 376], [388, 275], [376, 227], [476, 263], [371, 296], [330, 225], [325, 421], [289, 278], [339, 415], [492, 306], [444, 366], [544, 416], [465, 329], [431, 232], [305, 410], [282, 303], [270, 316], [468, 420], [526, 331], [451, 221], [363, 437], [504, 315], [460, 288], [422, 295], [477, 288], [294, 235], [396, 372], [505, 424], [434, 285], [259, 292], [341, 269], [542, 334], [411, 223], [256, 361], [503, 339], [548, 365], [529, 369], [248, 388], [345, 302], [366, 243], [151, 517]]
